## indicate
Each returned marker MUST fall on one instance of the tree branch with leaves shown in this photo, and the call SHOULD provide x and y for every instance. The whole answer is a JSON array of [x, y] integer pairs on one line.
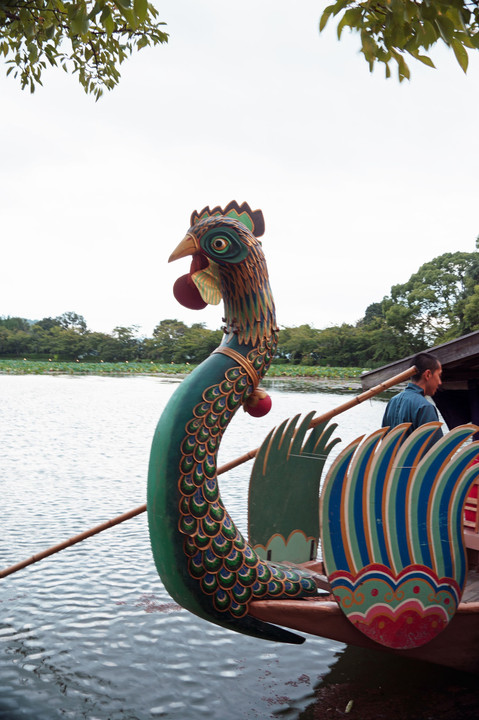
[[88, 37], [391, 29]]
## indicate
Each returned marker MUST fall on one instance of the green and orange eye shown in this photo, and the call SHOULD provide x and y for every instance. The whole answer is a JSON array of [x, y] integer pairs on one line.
[[224, 245], [220, 244]]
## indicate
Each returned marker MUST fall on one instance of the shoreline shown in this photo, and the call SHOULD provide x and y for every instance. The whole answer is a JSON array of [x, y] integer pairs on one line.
[[334, 378]]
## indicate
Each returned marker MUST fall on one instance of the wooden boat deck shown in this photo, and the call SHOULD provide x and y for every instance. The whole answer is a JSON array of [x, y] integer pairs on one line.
[[471, 591]]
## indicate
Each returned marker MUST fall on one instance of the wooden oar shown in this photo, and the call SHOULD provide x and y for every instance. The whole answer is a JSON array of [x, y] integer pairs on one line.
[[357, 400], [72, 541]]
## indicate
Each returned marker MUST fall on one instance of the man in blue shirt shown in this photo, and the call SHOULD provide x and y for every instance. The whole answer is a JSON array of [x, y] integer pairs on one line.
[[411, 405]]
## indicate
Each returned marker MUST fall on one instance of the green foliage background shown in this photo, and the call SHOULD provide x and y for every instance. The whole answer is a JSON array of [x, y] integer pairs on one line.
[[438, 303], [90, 38], [389, 30]]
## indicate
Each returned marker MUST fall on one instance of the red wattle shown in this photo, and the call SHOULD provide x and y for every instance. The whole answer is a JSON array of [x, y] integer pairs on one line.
[[187, 294]]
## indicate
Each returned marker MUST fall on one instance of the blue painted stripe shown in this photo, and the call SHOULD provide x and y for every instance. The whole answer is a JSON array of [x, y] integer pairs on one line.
[[381, 474], [442, 512], [359, 519], [402, 480], [433, 468], [336, 538], [400, 511], [452, 494], [405, 478], [423, 506]]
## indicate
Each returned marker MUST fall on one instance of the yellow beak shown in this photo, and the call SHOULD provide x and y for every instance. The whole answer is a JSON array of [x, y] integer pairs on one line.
[[188, 246]]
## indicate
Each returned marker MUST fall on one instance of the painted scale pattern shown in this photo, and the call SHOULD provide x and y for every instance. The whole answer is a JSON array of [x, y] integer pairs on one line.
[[202, 558], [391, 519], [225, 566]]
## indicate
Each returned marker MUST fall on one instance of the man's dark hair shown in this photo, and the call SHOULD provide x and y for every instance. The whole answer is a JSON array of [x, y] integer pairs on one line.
[[423, 362]]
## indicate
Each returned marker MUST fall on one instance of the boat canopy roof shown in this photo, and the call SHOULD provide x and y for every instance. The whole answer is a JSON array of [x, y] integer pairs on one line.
[[458, 397]]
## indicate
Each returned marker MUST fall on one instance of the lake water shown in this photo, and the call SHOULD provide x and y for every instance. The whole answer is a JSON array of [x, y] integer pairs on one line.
[[91, 632]]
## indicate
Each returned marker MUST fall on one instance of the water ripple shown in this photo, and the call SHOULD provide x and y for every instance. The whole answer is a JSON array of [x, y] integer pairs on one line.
[[91, 632]]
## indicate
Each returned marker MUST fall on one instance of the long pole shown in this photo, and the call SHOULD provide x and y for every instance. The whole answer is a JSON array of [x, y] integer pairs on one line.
[[357, 400], [72, 541]]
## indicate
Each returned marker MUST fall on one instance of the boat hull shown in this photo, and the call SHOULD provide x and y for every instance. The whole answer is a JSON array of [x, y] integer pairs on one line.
[[456, 647]]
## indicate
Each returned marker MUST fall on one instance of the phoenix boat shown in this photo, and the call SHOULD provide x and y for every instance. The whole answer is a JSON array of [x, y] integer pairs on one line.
[[387, 517]]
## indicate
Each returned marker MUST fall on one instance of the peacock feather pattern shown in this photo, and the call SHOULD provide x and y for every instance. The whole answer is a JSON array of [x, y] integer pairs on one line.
[[202, 558], [391, 531]]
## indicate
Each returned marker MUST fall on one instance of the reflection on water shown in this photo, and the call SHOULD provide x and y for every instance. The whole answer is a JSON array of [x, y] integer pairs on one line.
[[91, 632], [314, 385], [376, 685]]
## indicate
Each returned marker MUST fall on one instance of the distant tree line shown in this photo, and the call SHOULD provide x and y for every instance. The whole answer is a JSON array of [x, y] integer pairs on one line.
[[438, 303], [67, 338]]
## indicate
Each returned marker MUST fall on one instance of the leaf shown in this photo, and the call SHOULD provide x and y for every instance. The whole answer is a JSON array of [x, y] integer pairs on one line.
[[461, 53], [107, 20], [79, 22], [332, 10], [28, 28], [424, 59], [329, 9], [430, 34], [445, 27], [142, 42], [403, 70], [97, 7], [341, 25], [32, 52], [340, 5], [350, 18], [369, 47], [140, 8], [128, 14], [456, 17], [50, 32], [324, 19], [466, 41], [428, 12]]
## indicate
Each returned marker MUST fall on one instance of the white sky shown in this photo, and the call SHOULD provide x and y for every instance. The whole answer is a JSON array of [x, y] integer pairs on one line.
[[361, 179]]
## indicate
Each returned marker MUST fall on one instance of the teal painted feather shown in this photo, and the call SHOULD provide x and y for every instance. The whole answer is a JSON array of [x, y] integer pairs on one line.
[[283, 502]]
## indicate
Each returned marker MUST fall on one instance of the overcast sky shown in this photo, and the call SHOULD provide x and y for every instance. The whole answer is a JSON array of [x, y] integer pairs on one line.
[[361, 179]]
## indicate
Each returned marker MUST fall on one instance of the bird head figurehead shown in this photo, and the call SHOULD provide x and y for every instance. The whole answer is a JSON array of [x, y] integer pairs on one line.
[[217, 238], [227, 263]]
